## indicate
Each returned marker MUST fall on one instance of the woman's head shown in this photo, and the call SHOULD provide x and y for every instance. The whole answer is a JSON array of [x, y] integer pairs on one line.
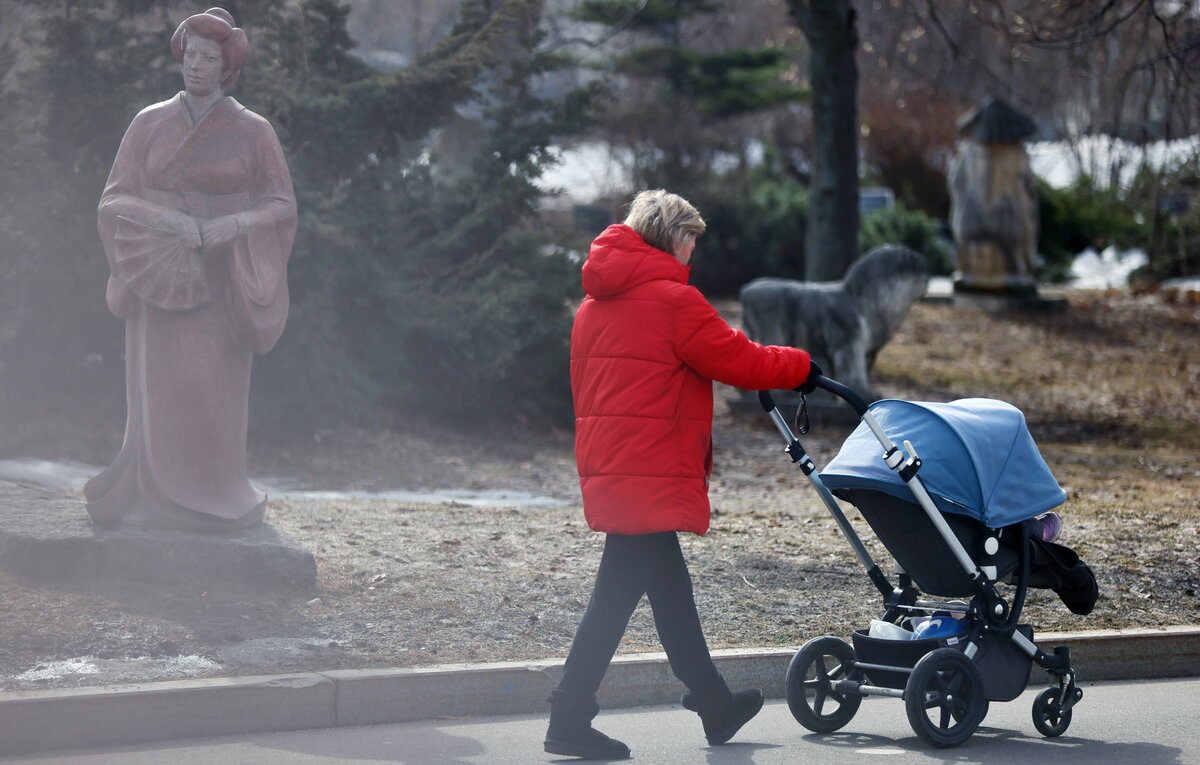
[[666, 221], [215, 25]]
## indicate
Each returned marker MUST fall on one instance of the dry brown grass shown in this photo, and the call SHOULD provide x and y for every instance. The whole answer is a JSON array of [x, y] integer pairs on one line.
[[1109, 387]]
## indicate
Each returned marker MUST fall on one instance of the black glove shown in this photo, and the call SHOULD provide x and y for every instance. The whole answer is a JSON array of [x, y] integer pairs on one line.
[[809, 385]]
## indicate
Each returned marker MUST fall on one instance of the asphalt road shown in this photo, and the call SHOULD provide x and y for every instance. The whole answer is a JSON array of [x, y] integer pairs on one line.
[[1144, 722]]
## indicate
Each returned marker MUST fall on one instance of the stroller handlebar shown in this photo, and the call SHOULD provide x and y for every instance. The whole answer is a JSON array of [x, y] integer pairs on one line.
[[766, 401], [855, 401]]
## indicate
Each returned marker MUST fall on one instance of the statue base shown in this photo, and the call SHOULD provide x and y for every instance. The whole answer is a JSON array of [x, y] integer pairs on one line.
[[48, 537], [1010, 302]]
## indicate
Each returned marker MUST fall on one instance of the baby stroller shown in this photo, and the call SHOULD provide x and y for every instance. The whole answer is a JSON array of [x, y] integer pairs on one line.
[[957, 522]]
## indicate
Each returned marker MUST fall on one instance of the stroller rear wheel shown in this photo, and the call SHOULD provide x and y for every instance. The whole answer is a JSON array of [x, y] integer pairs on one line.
[[811, 685], [944, 698]]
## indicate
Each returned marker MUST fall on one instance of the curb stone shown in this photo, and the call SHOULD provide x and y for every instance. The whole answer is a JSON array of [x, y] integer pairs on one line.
[[45, 720]]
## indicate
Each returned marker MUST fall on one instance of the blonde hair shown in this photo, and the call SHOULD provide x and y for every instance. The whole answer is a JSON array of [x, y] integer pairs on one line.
[[663, 219]]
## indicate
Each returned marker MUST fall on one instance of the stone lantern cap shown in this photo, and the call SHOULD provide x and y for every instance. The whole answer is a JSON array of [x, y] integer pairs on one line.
[[995, 121]]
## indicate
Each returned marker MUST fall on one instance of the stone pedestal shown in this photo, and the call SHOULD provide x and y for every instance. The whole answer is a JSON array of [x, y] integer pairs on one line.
[[46, 535], [1002, 302]]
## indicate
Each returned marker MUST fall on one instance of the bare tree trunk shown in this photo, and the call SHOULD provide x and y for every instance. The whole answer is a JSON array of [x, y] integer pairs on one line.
[[831, 240]]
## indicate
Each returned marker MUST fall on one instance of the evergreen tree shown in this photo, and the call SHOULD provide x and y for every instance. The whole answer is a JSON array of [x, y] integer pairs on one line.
[[63, 113], [418, 282], [441, 295], [679, 127]]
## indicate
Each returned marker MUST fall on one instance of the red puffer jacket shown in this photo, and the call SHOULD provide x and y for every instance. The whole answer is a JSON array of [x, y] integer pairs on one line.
[[645, 349]]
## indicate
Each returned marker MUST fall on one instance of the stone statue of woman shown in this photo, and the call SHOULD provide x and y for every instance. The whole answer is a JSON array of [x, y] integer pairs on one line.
[[197, 220]]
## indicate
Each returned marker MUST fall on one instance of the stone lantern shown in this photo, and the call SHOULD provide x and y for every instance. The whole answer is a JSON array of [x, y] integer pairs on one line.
[[994, 209]]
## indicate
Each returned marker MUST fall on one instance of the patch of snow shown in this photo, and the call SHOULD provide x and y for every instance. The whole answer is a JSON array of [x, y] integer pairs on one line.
[[1059, 163], [588, 171], [72, 476], [139, 669], [57, 475], [1109, 269], [275, 650], [592, 170], [55, 670], [1189, 284], [940, 286]]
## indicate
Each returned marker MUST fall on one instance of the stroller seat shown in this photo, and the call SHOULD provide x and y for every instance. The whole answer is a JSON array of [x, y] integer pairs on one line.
[[908, 534], [984, 472]]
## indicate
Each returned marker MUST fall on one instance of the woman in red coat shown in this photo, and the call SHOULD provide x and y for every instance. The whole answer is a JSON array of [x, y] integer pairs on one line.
[[645, 349]]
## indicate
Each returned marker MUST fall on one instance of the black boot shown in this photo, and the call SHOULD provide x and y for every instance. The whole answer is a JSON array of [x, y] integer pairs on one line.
[[571, 732], [722, 712]]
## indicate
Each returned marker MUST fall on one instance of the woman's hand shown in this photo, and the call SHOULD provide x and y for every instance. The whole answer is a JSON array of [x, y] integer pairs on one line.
[[810, 383], [219, 230], [183, 225]]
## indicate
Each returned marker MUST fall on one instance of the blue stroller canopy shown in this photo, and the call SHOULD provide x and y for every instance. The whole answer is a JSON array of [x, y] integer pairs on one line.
[[977, 456]]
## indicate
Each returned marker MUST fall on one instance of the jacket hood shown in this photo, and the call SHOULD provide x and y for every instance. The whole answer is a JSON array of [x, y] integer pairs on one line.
[[620, 260]]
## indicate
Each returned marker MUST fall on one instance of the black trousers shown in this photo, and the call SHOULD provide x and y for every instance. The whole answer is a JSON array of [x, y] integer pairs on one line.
[[632, 566]]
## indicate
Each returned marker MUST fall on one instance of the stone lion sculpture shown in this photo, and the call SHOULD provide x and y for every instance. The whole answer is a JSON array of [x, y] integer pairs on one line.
[[842, 324]]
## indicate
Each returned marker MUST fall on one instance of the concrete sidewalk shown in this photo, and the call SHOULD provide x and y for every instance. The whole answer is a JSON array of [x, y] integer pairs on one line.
[[129, 714]]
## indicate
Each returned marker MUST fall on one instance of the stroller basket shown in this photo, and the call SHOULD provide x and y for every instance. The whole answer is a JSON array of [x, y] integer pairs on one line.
[[1004, 668], [959, 520], [891, 653]]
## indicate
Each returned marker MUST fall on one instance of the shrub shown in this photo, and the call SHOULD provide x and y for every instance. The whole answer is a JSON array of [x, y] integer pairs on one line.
[[911, 228], [756, 224], [1078, 217]]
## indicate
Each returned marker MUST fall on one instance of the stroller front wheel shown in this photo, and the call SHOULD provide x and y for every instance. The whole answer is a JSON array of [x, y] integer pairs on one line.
[[1048, 717], [811, 685], [944, 698]]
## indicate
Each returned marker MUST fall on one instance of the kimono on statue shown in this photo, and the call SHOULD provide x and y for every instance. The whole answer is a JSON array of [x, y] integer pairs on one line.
[[194, 318]]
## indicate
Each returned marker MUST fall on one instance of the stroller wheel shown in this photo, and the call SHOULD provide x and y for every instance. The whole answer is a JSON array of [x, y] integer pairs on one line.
[[944, 698], [1047, 717], [811, 685]]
